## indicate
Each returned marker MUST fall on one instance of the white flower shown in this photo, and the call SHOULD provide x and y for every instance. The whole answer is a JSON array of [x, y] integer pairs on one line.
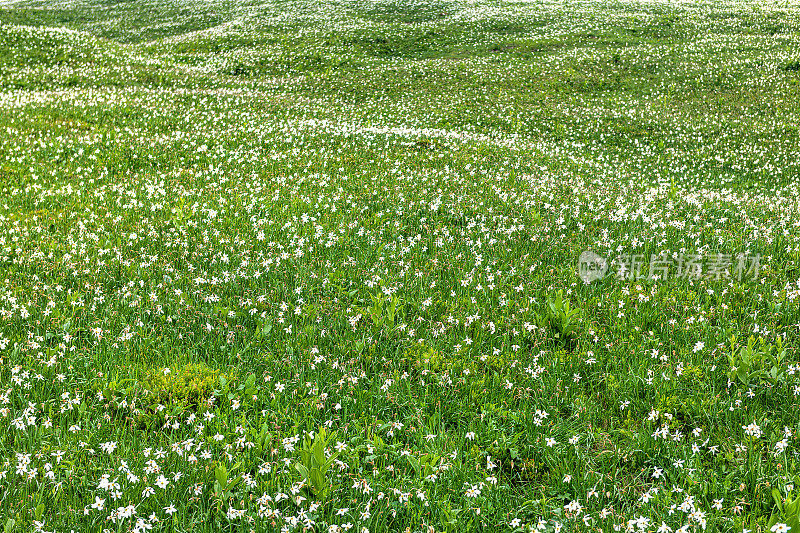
[[752, 430], [108, 447], [473, 492]]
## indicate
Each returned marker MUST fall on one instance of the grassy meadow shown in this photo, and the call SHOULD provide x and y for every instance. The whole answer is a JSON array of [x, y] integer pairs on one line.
[[313, 266]]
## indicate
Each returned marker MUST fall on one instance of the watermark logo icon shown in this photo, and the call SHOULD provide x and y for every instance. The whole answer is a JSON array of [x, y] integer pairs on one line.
[[591, 266]]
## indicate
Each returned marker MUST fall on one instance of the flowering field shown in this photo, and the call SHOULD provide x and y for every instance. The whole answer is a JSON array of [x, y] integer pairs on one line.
[[388, 265]]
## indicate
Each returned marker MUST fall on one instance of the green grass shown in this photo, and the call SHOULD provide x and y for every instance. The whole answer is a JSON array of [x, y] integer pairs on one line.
[[227, 226]]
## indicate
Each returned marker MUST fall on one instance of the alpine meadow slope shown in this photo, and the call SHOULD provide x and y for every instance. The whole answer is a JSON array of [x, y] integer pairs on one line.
[[380, 266]]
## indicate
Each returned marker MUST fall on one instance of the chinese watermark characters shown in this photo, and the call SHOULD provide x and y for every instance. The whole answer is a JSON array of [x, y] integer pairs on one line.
[[715, 266]]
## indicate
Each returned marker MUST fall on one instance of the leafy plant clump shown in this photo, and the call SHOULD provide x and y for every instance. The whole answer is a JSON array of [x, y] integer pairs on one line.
[[561, 319], [315, 461], [757, 362], [192, 383]]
